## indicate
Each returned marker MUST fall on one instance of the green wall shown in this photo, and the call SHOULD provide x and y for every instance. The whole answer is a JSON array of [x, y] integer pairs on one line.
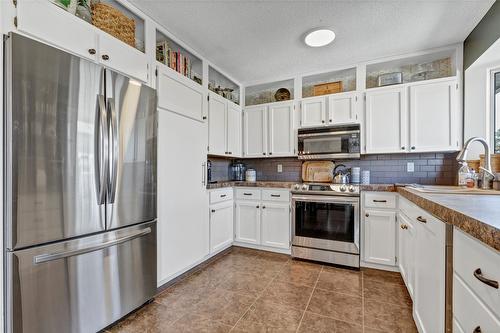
[[483, 36]]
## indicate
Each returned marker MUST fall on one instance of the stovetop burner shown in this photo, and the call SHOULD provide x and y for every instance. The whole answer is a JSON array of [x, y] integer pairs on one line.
[[326, 189]]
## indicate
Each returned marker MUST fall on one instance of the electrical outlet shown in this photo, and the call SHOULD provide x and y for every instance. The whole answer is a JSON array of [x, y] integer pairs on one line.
[[280, 168], [410, 167]]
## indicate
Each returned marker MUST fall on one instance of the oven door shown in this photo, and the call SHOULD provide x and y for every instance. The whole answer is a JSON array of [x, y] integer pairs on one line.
[[326, 222]]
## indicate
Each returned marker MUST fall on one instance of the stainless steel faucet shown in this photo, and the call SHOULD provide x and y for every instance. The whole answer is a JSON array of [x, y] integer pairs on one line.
[[486, 175]]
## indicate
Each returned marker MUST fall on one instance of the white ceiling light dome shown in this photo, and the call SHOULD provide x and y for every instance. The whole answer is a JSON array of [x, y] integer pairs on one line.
[[319, 37]]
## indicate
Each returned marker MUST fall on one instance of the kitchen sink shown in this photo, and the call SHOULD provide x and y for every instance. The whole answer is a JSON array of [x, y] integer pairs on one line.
[[451, 190]]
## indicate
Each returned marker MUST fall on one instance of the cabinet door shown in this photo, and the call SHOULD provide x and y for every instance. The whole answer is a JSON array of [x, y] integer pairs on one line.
[[221, 226], [380, 237], [183, 232], [180, 95], [342, 108], [386, 121], [312, 112], [52, 24], [217, 107], [247, 222], [234, 130], [406, 252], [280, 120], [254, 132], [429, 296], [276, 225], [434, 116], [115, 54]]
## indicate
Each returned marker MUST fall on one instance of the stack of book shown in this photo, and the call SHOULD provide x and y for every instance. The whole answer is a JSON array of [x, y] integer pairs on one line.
[[173, 59]]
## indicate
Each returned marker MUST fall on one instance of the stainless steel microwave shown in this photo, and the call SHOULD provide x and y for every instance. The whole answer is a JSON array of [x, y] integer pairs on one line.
[[333, 142]]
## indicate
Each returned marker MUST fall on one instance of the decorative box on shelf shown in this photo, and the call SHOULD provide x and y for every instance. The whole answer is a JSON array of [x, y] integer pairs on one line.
[[327, 88]]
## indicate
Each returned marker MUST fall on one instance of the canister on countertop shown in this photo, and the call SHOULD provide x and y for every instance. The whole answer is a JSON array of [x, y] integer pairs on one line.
[[365, 177], [251, 175], [355, 175]]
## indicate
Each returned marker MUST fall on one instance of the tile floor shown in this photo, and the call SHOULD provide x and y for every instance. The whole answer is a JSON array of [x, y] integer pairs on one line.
[[253, 291]]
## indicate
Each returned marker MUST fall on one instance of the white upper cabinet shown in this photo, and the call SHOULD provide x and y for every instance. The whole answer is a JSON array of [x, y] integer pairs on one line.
[[434, 116], [281, 131], [217, 109], [233, 132], [180, 95], [254, 132], [386, 120], [44, 20], [224, 127], [117, 55], [312, 112], [342, 108]]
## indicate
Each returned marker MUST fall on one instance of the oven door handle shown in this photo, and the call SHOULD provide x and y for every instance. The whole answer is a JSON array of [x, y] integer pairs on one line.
[[326, 199]]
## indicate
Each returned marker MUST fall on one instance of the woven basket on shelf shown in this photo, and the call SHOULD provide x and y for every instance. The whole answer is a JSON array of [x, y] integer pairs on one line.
[[114, 22]]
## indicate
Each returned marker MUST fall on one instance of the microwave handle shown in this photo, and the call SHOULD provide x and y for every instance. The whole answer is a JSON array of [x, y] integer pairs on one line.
[[310, 135]]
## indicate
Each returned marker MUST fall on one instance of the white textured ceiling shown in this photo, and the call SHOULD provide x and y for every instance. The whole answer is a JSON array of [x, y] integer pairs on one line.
[[260, 40]]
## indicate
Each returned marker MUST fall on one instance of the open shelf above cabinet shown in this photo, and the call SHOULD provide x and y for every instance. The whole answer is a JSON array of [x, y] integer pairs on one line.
[[174, 56], [221, 85], [315, 85], [269, 92], [109, 16], [417, 68]]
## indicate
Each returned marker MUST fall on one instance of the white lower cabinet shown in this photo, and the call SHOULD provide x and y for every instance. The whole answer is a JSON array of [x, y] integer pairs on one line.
[[221, 226], [406, 252], [275, 225], [247, 222], [262, 218], [380, 237]]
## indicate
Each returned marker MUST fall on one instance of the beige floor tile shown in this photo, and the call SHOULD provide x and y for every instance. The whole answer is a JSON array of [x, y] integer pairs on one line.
[[299, 273], [386, 292], [382, 276], [341, 280], [313, 323], [266, 316], [388, 317], [294, 295], [338, 306], [245, 283], [191, 323], [151, 318]]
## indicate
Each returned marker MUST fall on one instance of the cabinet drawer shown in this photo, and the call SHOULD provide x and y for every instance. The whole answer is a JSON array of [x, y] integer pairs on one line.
[[248, 193], [469, 256], [223, 194], [276, 195], [469, 311], [380, 200], [418, 215]]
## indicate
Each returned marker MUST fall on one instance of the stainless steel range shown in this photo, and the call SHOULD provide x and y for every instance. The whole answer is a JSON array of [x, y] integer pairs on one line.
[[325, 223]]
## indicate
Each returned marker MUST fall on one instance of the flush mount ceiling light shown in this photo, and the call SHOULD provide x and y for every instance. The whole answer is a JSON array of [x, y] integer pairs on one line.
[[319, 37]]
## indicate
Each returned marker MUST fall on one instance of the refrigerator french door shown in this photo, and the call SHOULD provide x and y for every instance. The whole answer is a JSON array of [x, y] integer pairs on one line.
[[80, 191]]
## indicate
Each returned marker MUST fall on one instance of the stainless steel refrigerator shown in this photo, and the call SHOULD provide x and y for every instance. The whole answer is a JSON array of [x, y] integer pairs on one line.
[[80, 191]]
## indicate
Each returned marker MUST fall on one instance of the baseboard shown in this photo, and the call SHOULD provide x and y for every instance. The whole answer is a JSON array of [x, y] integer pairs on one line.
[[378, 266], [263, 248]]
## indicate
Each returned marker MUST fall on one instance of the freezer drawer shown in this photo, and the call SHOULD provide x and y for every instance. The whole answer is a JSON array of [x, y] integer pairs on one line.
[[81, 285]]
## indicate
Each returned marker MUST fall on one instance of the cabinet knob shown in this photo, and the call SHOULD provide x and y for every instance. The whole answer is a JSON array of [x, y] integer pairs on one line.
[[263, 153], [412, 147], [270, 153], [330, 120], [263, 207], [323, 121], [404, 226], [403, 148], [105, 57], [213, 210], [367, 214], [477, 330], [257, 206], [92, 51]]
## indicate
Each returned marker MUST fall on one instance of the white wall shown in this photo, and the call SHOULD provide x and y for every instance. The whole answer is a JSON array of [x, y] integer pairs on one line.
[[478, 115]]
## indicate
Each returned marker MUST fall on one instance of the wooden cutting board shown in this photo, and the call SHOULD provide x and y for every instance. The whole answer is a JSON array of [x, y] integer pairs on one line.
[[318, 171]]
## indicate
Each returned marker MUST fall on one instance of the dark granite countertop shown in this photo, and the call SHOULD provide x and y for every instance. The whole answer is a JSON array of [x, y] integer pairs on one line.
[[476, 214]]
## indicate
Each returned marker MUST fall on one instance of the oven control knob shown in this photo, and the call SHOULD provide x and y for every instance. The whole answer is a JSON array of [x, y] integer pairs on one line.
[[343, 188], [296, 187], [304, 187], [351, 188]]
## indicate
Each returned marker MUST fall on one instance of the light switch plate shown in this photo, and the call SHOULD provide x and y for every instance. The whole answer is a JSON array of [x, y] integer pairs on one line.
[[280, 168], [410, 167]]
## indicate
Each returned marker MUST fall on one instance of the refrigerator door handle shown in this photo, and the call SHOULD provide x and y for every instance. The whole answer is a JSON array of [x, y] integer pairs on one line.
[[113, 130], [42, 258], [101, 147]]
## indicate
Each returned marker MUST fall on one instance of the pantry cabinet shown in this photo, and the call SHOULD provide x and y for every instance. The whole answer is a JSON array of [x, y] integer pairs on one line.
[[269, 130], [414, 117], [46, 21], [180, 95]]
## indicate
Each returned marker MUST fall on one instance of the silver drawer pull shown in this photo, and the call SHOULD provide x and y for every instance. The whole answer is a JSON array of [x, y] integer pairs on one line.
[[479, 275], [276, 195], [91, 248], [247, 193], [421, 219], [223, 195], [379, 200]]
